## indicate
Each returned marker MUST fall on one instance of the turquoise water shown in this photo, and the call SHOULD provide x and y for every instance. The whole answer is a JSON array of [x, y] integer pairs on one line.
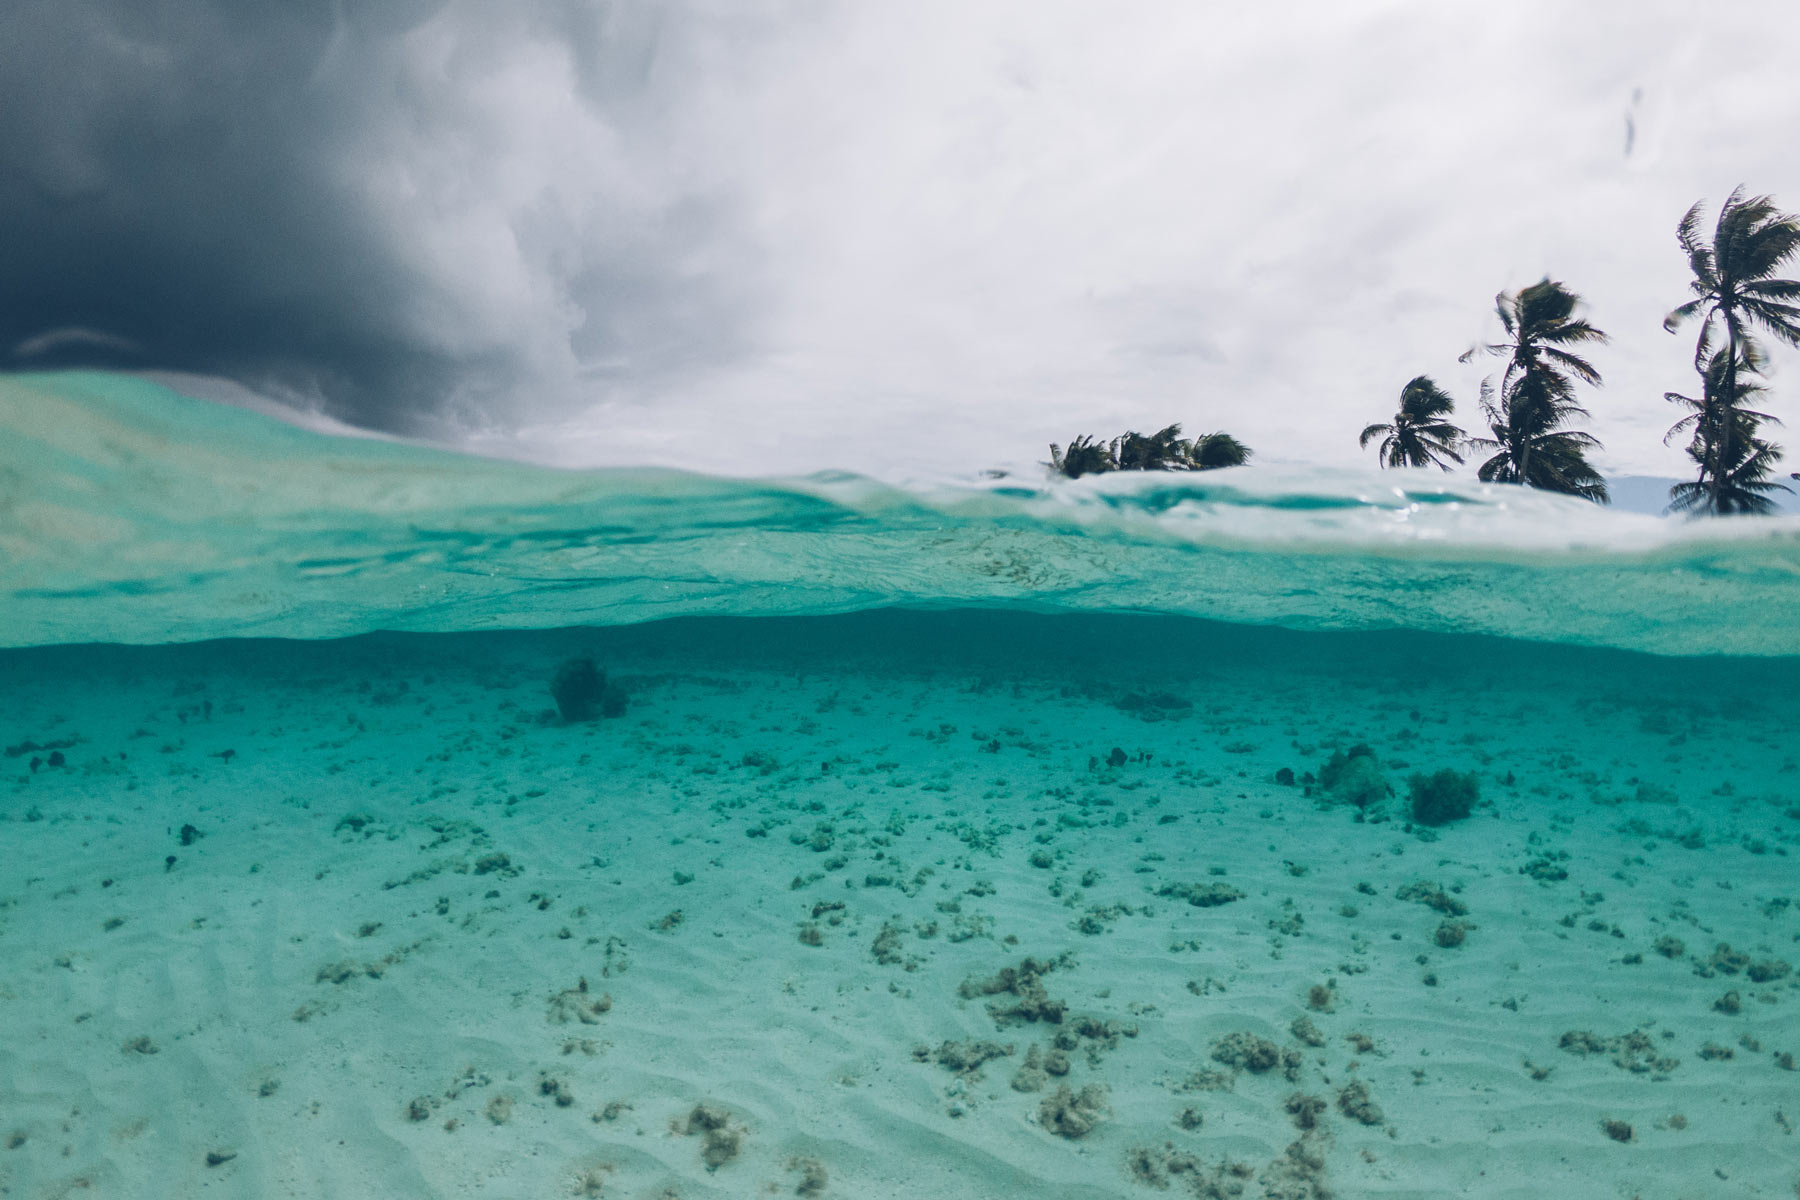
[[307, 889], [136, 515]]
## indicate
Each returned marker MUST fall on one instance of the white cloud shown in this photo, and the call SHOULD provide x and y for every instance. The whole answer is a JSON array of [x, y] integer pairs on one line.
[[993, 225]]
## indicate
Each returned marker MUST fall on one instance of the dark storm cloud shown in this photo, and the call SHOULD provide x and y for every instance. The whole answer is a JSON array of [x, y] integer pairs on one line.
[[392, 209]]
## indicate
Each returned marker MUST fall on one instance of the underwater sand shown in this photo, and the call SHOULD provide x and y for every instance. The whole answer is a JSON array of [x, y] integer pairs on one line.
[[361, 972]]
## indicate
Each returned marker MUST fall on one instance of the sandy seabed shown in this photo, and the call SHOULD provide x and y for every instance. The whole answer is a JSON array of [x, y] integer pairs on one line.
[[895, 906]]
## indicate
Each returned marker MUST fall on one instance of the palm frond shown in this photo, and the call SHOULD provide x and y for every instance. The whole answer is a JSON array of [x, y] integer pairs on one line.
[[1703, 345], [1686, 424], [1700, 258], [1686, 312], [1583, 369], [1781, 320], [1496, 469], [1504, 305], [1770, 289], [1422, 398], [1439, 448], [1568, 332]]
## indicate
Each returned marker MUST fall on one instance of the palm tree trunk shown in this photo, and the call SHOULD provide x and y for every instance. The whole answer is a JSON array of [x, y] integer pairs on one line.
[[1722, 418], [1523, 459], [1523, 462]]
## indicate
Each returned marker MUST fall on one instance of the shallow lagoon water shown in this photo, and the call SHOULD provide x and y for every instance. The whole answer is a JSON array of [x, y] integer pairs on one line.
[[304, 909]]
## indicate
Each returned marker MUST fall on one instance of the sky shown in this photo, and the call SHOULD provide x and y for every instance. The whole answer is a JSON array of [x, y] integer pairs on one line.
[[765, 236]]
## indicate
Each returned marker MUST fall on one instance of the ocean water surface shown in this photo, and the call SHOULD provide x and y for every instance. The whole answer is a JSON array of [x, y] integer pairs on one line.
[[1245, 834]]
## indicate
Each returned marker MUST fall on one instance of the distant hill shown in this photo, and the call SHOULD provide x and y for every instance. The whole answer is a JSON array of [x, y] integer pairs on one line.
[[1650, 493]]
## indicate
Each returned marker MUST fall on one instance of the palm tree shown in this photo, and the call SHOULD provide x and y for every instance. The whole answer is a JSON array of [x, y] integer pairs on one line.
[[1557, 458], [1733, 286], [1210, 451], [1714, 407], [1418, 436], [1163, 450], [1160, 451], [1536, 394], [1742, 485], [1734, 462], [1084, 456]]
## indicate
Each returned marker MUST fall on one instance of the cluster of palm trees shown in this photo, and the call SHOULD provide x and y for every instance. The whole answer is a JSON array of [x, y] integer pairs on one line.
[[1527, 411], [1529, 408], [1734, 291], [1164, 450]]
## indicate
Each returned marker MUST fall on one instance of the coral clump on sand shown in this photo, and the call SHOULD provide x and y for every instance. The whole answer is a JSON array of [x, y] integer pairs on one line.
[[1432, 896], [1158, 1166], [1031, 1075], [721, 1143], [966, 1058], [577, 688], [1354, 777], [1305, 1110], [578, 1004], [1030, 1002], [1355, 1102], [1451, 934], [813, 1177], [1072, 1114], [1247, 1052], [1443, 796], [1201, 895], [582, 693], [1634, 1051], [1298, 1173]]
